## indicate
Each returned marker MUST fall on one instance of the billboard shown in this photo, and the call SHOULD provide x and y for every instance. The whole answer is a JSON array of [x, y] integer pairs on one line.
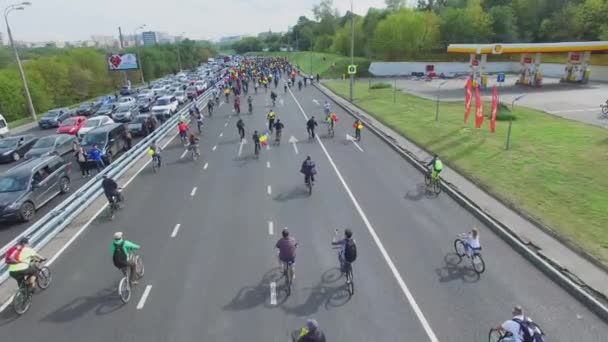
[[122, 61]]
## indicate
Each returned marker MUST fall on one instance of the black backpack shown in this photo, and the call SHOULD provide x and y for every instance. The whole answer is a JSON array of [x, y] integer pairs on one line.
[[350, 251], [119, 258], [529, 331]]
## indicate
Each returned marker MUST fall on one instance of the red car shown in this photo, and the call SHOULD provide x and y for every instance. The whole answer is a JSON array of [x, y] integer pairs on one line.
[[72, 125]]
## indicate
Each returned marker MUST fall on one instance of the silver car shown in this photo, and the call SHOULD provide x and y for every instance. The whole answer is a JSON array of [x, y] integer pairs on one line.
[[124, 113]]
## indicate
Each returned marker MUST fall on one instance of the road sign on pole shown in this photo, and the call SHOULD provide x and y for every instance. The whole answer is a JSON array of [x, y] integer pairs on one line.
[[500, 78], [352, 69]]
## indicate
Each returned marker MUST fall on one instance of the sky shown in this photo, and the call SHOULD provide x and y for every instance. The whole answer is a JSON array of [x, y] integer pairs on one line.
[[72, 20]]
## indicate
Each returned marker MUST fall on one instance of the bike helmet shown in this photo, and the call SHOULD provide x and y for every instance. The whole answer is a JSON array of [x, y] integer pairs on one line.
[[348, 233], [24, 240], [118, 236]]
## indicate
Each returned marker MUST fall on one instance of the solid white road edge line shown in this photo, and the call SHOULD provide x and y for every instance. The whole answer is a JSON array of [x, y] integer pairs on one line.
[[270, 228], [193, 191], [142, 301], [175, 230], [273, 293], [406, 291]]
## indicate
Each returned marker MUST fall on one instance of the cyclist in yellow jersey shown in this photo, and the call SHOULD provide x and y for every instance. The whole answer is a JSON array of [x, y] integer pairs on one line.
[[19, 260], [437, 166]]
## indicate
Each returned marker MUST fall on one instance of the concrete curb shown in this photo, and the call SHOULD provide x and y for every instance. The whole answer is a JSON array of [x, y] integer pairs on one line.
[[576, 288]]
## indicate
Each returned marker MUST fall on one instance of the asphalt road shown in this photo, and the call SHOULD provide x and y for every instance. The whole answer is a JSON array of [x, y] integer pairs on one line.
[[210, 279]]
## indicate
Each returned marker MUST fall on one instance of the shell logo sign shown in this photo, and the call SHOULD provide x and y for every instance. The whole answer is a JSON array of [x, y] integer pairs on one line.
[[497, 49]]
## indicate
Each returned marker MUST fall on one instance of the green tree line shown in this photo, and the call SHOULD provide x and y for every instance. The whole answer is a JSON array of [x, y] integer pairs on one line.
[[63, 77], [397, 32]]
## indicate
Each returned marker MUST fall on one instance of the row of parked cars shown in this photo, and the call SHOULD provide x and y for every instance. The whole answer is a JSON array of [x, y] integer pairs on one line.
[[45, 174]]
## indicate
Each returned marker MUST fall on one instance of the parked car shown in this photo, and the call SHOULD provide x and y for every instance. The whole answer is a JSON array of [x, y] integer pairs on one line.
[[126, 101], [180, 95], [87, 109], [4, 130], [93, 123], [157, 89], [145, 103], [72, 125], [58, 144], [126, 90], [136, 126], [124, 113], [28, 186], [191, 92], [54, 117], [166, 105], [13, 148], [109, 140], [105, 110], [145, 92]]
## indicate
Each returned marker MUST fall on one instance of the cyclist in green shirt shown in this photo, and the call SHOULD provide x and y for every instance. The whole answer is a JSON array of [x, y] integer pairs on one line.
[[123, 254], [437, 166]]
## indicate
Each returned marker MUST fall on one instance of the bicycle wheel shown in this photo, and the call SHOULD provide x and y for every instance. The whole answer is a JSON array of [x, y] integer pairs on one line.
[[288, 279], [605, 110], [22, 300], [436, 186], [495, 336], [44, 277], [309, 185], [427, 179], [124, 289], [478, 264], [139, 266], [460, 248], [154, 165], [349, 280]]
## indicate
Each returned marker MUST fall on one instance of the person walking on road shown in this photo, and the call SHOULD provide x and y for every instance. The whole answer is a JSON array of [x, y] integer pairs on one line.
[[83, 161], [310, 127], [128, 138], [95, 156], [240, 125]]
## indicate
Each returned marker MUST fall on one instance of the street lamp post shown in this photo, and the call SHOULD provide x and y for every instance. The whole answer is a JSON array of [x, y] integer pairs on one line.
[[7, 10], [437, 106], [141, 66], [352, 47]]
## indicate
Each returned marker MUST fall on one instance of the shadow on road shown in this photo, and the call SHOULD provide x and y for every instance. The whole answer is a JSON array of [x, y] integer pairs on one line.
[[230, 142], [249, 297], [455, 269], [103, 302], [294, 193], [417, 194], [329, 296]]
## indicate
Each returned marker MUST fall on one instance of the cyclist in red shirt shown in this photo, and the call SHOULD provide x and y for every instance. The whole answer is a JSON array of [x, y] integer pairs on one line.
[[182, 127]]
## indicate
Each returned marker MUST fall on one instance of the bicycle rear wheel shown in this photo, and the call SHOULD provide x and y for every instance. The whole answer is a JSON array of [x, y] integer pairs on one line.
[[124, 289], [478, 264], [288, 279], [460, 248], [605, 110], [139, 267], [22, 300], [495, 336], [44, 277], [309, 185], [349, 280], [427, 179], [436, 186]]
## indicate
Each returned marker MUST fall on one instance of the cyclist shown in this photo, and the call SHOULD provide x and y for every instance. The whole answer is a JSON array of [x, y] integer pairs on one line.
[[348, 253], [122, 254], [326, 107], [285, 86], [237, 104], [331, 120], [210, 107], [182, 127], [309, 169], [299, 84], [435, 167], [19, 259], [520, 328], [199, 122], [250, 103], [110, 189], [227, 94], [278, 126], [270, 117], [193, 143], [273, 96], [256, 142], [287, 248], [311, 333], [155, 151], [240, 125], [358, 125], [310, 127], [471, 242], [256, 85]]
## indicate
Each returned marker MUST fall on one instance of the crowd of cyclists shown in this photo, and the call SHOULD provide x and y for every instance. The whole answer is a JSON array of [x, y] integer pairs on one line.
[[259, 73]]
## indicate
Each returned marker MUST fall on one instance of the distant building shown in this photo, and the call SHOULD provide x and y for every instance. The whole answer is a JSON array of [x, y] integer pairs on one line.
[[105, 41], [164, 38], [149, 38]]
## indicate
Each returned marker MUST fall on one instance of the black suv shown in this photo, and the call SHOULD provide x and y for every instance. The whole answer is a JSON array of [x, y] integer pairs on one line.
[[88, 109], [109, 139], [30, 185]]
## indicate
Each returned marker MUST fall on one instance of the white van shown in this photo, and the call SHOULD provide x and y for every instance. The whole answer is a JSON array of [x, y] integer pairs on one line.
[[3, 127]]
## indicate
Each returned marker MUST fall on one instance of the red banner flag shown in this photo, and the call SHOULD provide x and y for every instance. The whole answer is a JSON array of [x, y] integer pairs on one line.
[[478, 108], [468, 96], [494, 109]]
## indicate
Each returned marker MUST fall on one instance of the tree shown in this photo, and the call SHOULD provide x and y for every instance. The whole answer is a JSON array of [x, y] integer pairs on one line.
[[324, 9], [247, 44], [394, 5], [466, 25], [504, 24], [342, 39], [405, 33]]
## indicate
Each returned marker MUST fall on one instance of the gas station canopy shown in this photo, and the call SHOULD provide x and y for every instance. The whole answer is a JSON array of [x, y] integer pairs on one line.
[[497, 49]]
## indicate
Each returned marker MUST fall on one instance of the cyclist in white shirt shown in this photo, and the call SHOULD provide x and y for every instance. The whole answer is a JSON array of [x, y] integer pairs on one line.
[[512, 327], [472, 241]]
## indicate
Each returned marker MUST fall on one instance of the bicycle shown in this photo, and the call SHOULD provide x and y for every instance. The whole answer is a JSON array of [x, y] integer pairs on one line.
[[277, 138], [250, 108], [22, 300], [194, 151], [257, 150], [288, 275], [116, 204], [474, 254], [432, 181], [495, 335], [330, 130], [346, 269], [210, 110], [183, 136], [155, 163], [125, 284], [604, 109], [309, 184]]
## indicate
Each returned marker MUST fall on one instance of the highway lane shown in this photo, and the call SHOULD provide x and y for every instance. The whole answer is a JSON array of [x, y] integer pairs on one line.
[[212, 280]]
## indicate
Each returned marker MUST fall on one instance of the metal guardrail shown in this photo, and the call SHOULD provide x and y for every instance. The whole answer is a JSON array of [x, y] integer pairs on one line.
[[51, 224]]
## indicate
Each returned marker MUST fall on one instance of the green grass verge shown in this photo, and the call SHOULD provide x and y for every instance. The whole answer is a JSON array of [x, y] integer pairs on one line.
[[554, 171], [327, 65], [19, 122]]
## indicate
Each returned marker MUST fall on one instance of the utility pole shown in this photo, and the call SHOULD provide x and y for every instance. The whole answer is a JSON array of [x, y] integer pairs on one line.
[[141, 67], [352, 47], [122, 46], [28, 96]]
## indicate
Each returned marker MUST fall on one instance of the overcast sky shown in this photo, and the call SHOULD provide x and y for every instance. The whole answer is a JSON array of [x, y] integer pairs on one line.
[[70, 20]]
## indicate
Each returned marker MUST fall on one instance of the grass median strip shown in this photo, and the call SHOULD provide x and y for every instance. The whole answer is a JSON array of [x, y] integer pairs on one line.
[[554, 170]]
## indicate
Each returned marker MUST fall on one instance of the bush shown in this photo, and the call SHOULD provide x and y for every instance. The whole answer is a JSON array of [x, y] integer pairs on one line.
[[380, 85], [503, 113]]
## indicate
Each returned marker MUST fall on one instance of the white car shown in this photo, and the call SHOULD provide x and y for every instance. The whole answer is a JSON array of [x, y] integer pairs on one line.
[[126, 101], [94, 122], [166, 105], [180, 95], [201, 86], [158, 89]]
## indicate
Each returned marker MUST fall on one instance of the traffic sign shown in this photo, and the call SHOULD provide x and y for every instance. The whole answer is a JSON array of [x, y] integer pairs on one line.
[[500, 77], [352, 69]]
